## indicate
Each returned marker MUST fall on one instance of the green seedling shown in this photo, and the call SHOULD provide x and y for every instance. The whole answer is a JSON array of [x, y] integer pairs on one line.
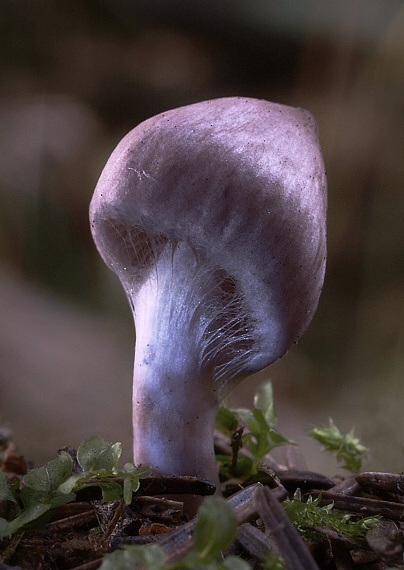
[[347, 447], [55, 484], [259, 438]]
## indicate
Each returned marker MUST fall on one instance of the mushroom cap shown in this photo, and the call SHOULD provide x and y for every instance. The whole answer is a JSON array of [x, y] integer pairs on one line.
[[242, 182]]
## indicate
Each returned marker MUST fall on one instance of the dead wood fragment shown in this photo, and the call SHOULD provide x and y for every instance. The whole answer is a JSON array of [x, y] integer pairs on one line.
[[112, 525], [175, 486], [391, 482], [159, 508], [92, 565], [389, 486], [150, 529], [255, 542], [341, 555], [292, 479], [364, 506], [69, 523], [294, 459], [366, 559], [180, 542], [349, 486], [291, 546], [387, 540]]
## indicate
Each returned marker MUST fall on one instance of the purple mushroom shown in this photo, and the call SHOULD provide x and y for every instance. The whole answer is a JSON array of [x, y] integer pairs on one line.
[[213, 216]]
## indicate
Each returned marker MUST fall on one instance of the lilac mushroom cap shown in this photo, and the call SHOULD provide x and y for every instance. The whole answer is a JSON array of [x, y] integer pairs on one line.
[[213, 216]]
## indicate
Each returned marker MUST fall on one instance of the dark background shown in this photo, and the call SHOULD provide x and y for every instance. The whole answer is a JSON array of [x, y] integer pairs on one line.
[[74, 78]]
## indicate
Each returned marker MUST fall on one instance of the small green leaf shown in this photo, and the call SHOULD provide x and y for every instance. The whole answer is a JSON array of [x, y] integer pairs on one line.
[[248, 419], [277, 439], [127, 490], [149, 557], [111, 491], [29, 497], [68, 486], [226, 421], [27, 516], [135, 484], [48, 477], [95, 454], [235, 563], [261, 438], [215, 528], [139, 471], [57, 499], [129, 468], [264, 400], [244, 466], [5, 492], [4, 528]]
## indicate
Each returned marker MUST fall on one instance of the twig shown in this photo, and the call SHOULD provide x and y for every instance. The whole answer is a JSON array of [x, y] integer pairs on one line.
[[294, 552], [112, 524]]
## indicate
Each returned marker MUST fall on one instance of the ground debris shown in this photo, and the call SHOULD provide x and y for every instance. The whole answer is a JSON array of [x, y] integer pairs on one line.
[[82, 532]]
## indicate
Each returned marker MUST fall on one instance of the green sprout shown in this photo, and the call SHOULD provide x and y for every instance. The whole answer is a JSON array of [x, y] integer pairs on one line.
[[348, 448], [54, 484], [259, 438]]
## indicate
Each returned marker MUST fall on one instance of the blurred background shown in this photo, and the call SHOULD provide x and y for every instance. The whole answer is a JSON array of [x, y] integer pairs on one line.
[[74, 78]]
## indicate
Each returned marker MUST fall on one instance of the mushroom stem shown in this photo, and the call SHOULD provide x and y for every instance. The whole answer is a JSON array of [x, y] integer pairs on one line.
[[174, 396], [173, 445]]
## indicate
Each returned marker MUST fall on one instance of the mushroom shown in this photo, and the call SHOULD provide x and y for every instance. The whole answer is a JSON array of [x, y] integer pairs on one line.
[[212, 216]]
